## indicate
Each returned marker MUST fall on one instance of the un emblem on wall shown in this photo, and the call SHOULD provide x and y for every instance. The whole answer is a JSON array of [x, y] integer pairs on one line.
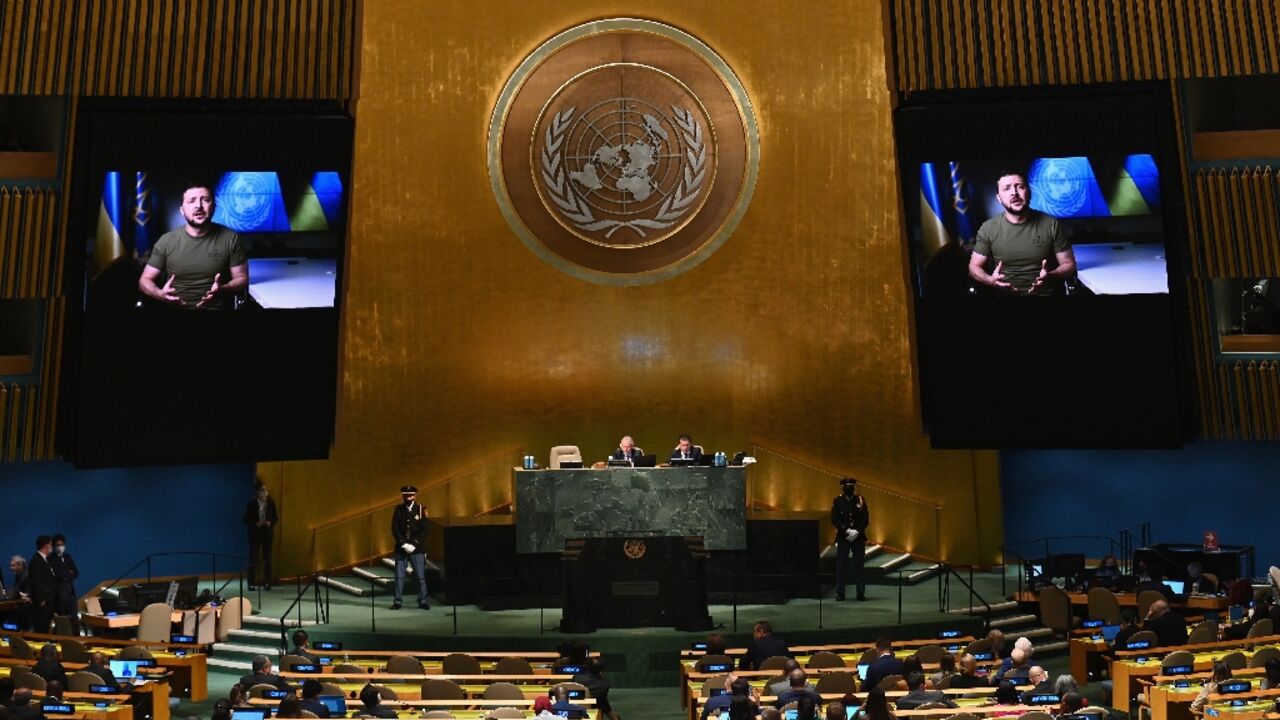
[[623, 151]]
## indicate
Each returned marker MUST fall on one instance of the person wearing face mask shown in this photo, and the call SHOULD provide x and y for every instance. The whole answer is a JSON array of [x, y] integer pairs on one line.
[[260, 519], [850, 516], [409, 529], [64, 568]]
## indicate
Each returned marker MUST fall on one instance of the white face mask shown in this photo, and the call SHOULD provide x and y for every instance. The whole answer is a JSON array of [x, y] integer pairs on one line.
[[59, 549]]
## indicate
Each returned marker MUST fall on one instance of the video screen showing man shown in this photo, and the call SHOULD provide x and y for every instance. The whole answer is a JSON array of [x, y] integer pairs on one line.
[[1021, 251], [200, 265]]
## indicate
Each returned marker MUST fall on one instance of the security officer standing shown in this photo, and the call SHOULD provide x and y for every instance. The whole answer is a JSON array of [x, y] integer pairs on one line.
[[409, 529], [850, 516]]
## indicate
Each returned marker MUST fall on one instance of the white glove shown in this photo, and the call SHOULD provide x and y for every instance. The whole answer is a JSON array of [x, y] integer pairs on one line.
[[408, 548], [851, 534]]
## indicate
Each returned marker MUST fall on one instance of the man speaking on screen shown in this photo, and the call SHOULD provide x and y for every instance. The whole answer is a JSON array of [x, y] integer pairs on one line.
[[1030, 253], [202, 264]]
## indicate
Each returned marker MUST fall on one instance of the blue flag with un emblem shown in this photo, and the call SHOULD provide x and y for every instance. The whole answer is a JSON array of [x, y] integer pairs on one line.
[[250, 202]]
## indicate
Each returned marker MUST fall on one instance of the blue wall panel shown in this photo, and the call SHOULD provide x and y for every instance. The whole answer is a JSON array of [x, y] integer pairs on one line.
[[113, 518]]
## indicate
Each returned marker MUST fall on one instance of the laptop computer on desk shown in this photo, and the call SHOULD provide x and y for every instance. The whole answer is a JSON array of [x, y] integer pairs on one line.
[[647, 461]]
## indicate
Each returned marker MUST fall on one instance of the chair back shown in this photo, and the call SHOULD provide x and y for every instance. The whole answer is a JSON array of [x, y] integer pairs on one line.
[[980, 645], [1213, 581], [1176, 658], [20, 649], [706, 660], [1203, 632], [890, 682], [1145, 598], [260, 690], [503, 691], [868, 656], [1145, 636], [24, 678], [135, 652], [74, 651], [935, 705], [62, 625], [930, 654], [1234, 660], [561, 453], [306, 714], [459, 664], [1261, 657], [349, 669], [202, 624], [1104, 605], [80, 681], [714, 682], [437, 715], [408, 665], [944, 683], [777, 662], [441, 689], [1261, 628], [1055, 609], [825, 659], [568, 686], [232, 616], [963, 716], [156, 623], [327, 688], [288, 661], [1036, 715], [512, 666], [506, 713], [836, 682]]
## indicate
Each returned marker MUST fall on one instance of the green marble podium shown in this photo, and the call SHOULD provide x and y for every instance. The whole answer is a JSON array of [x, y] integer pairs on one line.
[[556, 505]]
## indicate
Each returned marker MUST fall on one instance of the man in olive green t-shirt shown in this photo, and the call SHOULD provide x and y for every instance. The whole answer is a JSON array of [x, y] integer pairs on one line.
[[204, 263], [1022, 241]]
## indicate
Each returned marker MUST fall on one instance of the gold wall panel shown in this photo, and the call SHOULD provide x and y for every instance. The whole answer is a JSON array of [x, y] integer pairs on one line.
[[460, 344]]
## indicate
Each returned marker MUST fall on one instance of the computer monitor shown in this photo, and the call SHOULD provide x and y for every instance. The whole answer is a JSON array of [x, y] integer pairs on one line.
[[1236, 613], [791, 714], [1067, 565], [862, 671], [249, 714], [683, 462], [850, 711], [614, 462], [336, 704], [1177, 587], [125, 669], [647, 461], [1109, 632], [570, 464]]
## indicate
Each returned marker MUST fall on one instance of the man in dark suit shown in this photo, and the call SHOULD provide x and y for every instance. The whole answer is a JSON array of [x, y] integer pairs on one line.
[[797, 682], [260, 520], [53, 692], [686, 450], [302, 647], [373, 706], [1170, 627], [884, 665], [627, 450], [22, 707], [917, 695], [764, 646], [48, 666], [409, 529], [968, 676], [850, 516], [735, 686], [262, 675], [64, 568], [311, 691], [98, 666], [19, 590], [563, 707], [44, 585]]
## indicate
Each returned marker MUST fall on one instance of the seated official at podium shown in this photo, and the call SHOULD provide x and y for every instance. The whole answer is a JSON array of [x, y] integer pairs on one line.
[[627, 450], [686, 450]]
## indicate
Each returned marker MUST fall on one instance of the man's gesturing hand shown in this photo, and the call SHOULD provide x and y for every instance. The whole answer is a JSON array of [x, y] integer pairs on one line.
[[213, 290], [1044, 273], [997, 277], [168, 295]]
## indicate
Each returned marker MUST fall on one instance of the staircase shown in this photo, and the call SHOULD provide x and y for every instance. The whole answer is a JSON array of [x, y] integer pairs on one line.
[[360, 581], [259, 636], [882, 566], [1009, 618]]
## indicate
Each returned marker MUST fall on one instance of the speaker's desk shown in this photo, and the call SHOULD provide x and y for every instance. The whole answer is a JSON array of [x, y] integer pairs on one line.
[[557, 505]]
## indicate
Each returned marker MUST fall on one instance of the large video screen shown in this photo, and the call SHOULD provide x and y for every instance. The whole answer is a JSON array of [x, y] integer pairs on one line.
[[208, 240], [1044, 233]]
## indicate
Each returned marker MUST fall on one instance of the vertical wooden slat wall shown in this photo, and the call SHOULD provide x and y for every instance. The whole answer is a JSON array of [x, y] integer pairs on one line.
[[1233, 216], [232, 49]]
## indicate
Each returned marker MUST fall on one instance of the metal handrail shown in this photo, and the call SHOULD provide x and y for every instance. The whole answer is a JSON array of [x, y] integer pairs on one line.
[[211, 555], [944, 593], [321, 608]]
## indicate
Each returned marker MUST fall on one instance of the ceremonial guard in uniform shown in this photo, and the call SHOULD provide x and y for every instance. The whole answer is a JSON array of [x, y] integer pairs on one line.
[[849, 515], [409, 528]]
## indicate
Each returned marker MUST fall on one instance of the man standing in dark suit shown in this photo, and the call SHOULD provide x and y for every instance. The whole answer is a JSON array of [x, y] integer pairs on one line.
[[409, 529], [44, 586], [883, 666], [764, 646], [260, 520], [686, 450], [850, 516], [627, 450], [64, 567]]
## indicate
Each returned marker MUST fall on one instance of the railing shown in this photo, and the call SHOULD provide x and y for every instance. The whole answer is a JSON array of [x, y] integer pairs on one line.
[[944, 594], [899, 520], [218, 590], [365, 536], [321, 607], [1122, 549]]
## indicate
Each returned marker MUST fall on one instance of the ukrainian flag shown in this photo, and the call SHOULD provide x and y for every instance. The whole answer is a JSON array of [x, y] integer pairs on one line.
[[107, 244], [320, 205], [960, 202], [933, 232], [141, 215]]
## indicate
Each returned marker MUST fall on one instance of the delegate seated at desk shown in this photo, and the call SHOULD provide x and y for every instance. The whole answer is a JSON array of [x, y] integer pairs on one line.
[[686, 450], [627, 450], [1170, 627]]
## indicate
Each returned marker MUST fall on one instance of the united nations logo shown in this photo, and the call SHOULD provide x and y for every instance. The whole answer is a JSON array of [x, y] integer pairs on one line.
[[623, 151], [634, 549]]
